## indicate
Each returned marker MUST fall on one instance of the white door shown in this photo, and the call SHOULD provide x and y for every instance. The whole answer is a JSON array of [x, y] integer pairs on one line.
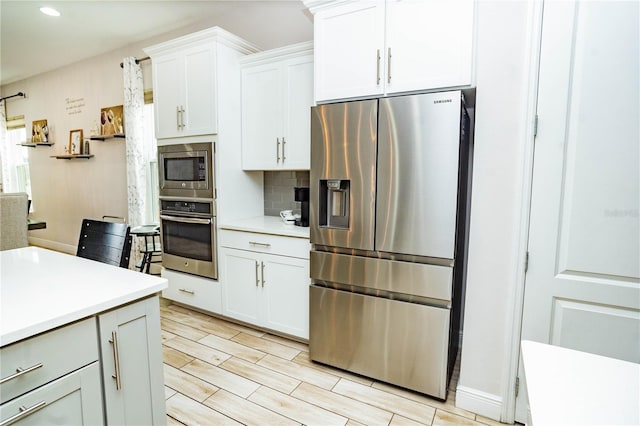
[[286, 295], [199, 116], [261, 116], [240, 289], [436, 52], [348, 47], [582, 287], [298, 99], [167, 75]]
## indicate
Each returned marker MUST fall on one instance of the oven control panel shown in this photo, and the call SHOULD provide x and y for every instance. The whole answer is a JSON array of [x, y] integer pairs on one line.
[[188, 207]]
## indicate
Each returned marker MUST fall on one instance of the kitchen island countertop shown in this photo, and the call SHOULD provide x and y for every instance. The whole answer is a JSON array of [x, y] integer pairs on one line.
[[267, 225], [42, 289]]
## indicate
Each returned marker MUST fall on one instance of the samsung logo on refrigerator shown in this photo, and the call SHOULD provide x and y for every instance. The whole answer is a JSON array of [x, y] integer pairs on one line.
[[442, 101]]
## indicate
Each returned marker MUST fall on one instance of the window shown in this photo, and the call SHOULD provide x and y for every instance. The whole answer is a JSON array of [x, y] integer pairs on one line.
[[152, 203], [15, 161]]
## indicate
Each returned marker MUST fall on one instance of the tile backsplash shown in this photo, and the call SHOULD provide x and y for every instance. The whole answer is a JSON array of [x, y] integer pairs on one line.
[[278, 191]]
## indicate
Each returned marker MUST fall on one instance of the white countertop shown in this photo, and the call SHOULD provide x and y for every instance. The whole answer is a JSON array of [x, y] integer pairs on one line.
[[267, 225], [42, 289], [567, 387]]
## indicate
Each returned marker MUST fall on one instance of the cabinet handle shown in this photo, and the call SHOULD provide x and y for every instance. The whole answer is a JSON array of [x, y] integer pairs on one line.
[[257, 280], [277, 150], [184, 290], [116, 359], [378, 67], [24, 412], [182, 111], [283, 157], [255, 243], [19, 372], [389, 65], [178, 117], [262, 273]]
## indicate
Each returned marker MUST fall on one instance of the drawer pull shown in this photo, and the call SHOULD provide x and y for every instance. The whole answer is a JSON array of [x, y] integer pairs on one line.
[[116, 359], [24, 412], [255, 243], [19, 372], [184, 290]]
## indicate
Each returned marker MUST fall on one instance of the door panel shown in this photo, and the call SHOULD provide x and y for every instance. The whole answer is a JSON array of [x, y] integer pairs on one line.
[[582, 288], [242, 283], [418, 149], [343, 147], [200, 113]]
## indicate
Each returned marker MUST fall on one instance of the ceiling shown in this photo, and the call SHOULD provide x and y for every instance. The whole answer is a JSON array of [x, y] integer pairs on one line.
[[32, 43]]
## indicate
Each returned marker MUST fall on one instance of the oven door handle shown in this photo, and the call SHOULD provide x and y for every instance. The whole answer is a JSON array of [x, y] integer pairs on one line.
[[186, 220]]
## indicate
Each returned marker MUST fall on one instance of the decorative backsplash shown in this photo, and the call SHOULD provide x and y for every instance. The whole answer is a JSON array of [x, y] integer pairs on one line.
[[278, 191]]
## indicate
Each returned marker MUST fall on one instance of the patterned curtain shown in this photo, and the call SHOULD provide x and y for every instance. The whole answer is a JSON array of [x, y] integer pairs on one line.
[[135, 149]]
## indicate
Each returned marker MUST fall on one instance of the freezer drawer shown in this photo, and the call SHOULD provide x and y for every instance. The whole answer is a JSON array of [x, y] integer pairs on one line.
[[402, 343], [407, 278]]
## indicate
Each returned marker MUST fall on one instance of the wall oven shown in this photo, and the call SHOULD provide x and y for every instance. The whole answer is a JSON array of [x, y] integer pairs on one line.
[[186, 170], [188, 231]]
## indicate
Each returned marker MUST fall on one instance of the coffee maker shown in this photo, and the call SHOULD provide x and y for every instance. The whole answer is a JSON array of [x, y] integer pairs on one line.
[[301, 195]]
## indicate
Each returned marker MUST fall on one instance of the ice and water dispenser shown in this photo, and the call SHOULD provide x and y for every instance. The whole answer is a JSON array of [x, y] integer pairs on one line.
[[334, 203]]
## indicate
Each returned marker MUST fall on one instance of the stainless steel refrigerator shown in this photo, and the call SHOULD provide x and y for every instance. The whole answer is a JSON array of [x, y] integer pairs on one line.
[[390, 189]]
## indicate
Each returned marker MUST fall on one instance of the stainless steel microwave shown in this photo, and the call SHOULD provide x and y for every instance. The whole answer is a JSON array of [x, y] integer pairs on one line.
[[186, 170]]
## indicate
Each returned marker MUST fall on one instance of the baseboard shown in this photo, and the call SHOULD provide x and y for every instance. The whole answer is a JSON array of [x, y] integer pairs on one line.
[[52, 245], [479, 402]]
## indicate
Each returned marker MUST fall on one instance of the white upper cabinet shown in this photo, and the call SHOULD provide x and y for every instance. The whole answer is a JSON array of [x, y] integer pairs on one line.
[[185, 74], [377, 47], [277, 94]]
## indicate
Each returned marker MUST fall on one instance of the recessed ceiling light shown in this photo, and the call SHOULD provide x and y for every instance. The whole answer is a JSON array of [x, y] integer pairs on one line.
[[49, 11]]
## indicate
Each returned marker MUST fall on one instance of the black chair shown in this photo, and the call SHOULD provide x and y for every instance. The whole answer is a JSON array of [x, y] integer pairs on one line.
[[106, 242]]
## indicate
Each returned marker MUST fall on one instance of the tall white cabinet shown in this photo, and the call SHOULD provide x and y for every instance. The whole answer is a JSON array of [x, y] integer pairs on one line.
[[277, 94], [390, 46]]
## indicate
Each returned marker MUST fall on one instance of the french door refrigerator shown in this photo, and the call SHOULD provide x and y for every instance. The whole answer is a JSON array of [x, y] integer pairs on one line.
[[390, 186]]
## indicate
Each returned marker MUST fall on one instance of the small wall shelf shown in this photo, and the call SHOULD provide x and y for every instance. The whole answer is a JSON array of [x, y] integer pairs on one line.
[[72, 157], [33, 145], [105, 137]]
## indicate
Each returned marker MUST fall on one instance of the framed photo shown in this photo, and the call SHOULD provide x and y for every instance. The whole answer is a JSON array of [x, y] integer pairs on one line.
[[39, 131], [75, 142], [112, 120]]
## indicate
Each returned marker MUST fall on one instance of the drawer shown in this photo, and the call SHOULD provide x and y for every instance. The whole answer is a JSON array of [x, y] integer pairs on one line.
[[194, 291], [265, 243], [46, 357], [74, 399]]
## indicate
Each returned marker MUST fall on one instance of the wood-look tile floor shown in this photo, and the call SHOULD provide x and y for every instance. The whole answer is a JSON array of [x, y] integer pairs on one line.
[[221, 373]]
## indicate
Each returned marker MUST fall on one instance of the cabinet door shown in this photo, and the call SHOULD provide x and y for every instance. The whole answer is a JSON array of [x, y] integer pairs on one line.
[[298, 99], [348, 47], [199, 105], [285, 295], [74, 399], [241, 286], [167, 95], [262, 117], [428, 44], [130, 344]]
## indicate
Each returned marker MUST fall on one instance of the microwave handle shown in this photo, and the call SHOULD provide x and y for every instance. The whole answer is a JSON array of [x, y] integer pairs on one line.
[[186, 220]]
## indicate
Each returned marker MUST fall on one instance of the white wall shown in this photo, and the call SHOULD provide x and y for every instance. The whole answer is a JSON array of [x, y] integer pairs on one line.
[[502, 80]]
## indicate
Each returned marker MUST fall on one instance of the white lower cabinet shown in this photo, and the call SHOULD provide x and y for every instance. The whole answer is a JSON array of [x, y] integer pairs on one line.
[[199, 292], [264, 288], [79, 373], [130, 346], [74, 399]]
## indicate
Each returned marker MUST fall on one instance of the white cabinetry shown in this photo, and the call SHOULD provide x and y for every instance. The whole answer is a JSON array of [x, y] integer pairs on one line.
[[266, 281], [277, 94], [52, 378], [185, 76], [130, 345], [390, 46], [203, 293]]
